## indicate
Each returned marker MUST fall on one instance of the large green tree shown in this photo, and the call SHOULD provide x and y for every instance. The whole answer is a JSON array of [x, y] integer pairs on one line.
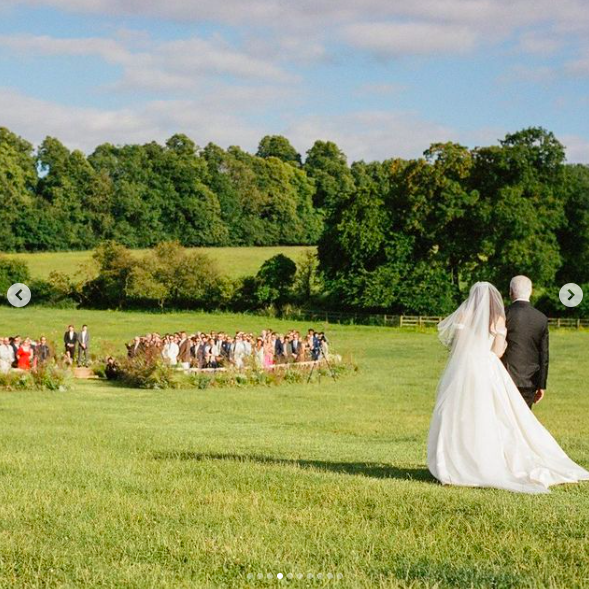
[[18, 182], [521, 206], [279, 147]]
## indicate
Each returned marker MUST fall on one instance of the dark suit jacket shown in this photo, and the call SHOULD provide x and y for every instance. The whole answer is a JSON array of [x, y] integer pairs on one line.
[[279, 348], [526, 356], [70, 339], [42, 352]]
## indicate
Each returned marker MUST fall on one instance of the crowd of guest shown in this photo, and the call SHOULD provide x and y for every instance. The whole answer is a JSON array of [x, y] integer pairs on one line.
[[219, 349], [27, 353], [196, 350], [23, 353]]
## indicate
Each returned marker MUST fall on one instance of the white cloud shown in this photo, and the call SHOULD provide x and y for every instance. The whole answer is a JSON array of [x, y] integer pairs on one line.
[[168, 64], [371, 135], [411, 38], [368, 135], [108, 49], [489, 19], [580, 65], [577, 148], [540, 74], [540, 43], [85, 128], [374, 89]]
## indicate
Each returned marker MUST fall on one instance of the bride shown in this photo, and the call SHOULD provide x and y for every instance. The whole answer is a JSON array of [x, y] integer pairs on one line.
[[482, 432]]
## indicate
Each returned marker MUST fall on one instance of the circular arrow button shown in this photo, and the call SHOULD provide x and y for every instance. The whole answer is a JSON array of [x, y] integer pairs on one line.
[[571, 295], [19, 295]]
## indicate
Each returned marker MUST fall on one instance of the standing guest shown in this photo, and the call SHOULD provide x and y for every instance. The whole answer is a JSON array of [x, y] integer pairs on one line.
[[174, 350], [193, 349], [6, 355], [226, 345], [166, 349], [227, 349], [215, 353], [269, 347], [302, 355], [313, 345], [24, 355], [239, 351], [288, 357], [279, 349], [295, 345], [83, 340], [259, 355], [201, 352], [184, 354], [208, 348], [15, 345], [69, 339], [134, 348], [324, 345], [174, 341], [42, 351]]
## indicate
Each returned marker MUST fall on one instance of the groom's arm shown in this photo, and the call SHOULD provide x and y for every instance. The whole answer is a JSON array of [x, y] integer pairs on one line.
[[544, 357]]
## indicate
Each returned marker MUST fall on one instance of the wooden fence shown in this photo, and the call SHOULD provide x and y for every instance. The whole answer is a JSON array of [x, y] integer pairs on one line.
[[412, 321]]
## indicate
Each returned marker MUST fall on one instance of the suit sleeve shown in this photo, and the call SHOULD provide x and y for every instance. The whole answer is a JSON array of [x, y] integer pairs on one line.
[[544, 354]]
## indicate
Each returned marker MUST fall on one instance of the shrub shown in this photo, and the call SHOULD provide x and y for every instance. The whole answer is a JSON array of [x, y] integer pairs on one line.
[[12, 271], [147, 372], [151, 373], [47, 377]]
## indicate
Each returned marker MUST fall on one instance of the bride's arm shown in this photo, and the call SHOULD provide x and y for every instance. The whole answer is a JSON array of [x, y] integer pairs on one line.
[[499, 344]]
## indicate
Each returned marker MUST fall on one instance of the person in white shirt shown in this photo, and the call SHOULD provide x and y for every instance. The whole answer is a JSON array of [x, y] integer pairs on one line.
[[173, 351], [83, 341], [239, 351], [6, 355]]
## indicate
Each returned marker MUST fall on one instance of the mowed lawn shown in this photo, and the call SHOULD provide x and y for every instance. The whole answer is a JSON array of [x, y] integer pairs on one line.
[[233, 261], [110, 487]]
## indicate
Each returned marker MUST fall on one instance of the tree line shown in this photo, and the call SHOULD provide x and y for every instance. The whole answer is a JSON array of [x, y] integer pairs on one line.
[[140, 195], [406, 236]]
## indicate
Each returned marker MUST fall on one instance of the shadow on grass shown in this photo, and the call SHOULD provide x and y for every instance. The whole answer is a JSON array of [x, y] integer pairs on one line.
[[367, 469]]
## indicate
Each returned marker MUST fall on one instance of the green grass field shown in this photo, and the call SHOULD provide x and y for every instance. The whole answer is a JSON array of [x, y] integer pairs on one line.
[[233, 261], [109, 487]]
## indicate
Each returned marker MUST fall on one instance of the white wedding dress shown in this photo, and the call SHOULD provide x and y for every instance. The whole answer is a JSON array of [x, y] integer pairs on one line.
[[482, 432]]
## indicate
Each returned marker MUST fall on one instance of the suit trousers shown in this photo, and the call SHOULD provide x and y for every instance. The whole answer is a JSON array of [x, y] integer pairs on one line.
[[82, 352], [528, 395]]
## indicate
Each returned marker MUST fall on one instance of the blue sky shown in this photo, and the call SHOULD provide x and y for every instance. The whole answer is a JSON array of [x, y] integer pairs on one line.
[[380, 78]]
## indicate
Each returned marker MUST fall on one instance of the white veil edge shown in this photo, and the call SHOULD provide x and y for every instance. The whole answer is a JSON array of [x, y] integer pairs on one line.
[[476, 317]]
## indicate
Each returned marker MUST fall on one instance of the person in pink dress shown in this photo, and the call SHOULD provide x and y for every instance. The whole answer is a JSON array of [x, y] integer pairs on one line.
[[268, 351]]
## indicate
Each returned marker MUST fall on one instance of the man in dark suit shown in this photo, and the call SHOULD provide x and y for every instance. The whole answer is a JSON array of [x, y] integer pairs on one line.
[[526, 356], [70, 338], [42, 351], [201, 352], [279, 351]]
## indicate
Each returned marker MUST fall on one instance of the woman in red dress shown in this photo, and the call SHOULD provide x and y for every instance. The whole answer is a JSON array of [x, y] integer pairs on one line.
[[24, 355]]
